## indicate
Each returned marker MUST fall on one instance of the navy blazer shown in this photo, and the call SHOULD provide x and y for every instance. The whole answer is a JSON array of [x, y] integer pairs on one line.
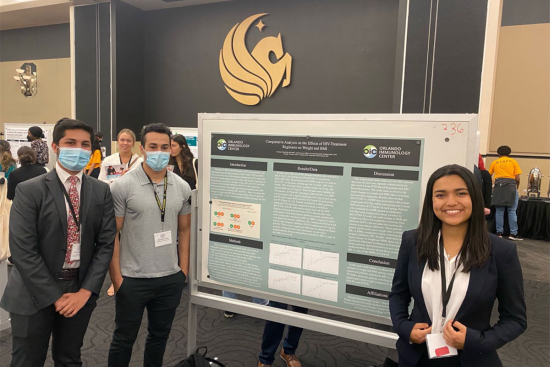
[[499, 278]]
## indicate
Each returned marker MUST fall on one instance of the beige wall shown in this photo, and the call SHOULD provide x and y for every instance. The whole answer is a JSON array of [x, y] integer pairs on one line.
[[521, 109], [52, 101]]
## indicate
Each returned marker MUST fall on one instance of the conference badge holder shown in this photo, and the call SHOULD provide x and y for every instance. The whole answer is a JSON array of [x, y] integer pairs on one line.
[[438, 348]]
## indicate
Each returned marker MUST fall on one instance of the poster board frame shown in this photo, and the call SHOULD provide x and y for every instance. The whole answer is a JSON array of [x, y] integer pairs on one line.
[[439, 123]]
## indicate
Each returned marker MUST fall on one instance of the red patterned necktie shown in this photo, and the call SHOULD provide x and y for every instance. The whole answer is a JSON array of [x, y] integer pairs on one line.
[[73, 234]]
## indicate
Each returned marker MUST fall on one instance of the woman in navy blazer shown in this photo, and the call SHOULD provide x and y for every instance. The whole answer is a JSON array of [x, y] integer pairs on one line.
[[453, 209]]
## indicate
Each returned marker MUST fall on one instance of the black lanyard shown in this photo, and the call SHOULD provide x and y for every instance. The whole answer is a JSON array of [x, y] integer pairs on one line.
[[163, 206], [129, 162], [445, 292], [69, 202]]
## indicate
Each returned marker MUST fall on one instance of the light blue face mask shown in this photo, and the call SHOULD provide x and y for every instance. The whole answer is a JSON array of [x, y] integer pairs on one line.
[[73, 159], [157, 160]]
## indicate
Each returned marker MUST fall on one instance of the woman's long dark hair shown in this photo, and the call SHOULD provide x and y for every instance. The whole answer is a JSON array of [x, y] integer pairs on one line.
[[96, 145], [477, 245], [188, 173]]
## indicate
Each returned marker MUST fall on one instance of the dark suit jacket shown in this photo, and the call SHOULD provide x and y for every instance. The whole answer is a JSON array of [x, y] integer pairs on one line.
[[38, 241], [499, 278], [22, 174]]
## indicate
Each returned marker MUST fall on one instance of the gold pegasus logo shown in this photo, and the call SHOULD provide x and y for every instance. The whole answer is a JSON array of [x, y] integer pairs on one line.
[[251, 77]]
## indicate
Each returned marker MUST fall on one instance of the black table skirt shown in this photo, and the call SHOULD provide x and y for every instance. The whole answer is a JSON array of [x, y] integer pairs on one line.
[[533, 220]]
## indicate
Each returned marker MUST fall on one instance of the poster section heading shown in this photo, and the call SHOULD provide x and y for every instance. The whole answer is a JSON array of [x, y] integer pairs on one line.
[[372, 151], [325, 230]]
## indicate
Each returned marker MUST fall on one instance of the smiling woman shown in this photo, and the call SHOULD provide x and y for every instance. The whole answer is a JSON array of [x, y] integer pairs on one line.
[[126, 140], [454, 270]]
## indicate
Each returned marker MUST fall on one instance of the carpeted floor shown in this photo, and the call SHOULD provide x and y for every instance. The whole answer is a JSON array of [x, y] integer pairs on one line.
[[237, 341]]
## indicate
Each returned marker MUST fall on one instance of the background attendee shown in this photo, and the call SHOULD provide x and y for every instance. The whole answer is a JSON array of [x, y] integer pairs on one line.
[[486, 186], [29, 169], [452, 247], [35, 136], [149, 266], [57, 273], [99, 136], [185, 164], [7, 163], [273, 334], [125, 140], [94, 165], [505, 192]]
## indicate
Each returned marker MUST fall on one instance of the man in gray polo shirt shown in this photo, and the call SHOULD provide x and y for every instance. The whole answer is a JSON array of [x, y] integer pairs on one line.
[[151, 258]]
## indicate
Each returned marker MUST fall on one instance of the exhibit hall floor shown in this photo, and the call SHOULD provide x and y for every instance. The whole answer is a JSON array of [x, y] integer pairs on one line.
[[236, 341]]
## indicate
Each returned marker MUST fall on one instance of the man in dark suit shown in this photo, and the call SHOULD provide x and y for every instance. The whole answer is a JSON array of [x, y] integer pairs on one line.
[[62, 232]]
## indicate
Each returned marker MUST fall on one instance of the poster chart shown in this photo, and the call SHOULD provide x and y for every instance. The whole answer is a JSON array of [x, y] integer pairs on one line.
[[192, 137], [16, 135], [312, 217]]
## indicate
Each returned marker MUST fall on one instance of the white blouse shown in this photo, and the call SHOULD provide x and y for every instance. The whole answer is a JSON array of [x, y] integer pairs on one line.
[[431, 291], [114, 159]]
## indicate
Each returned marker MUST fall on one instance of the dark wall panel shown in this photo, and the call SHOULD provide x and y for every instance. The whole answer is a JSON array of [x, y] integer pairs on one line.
[[343, 57], [519, 12], [458, 56], [104, 31], [92, 66], [444, 56], [417, 56], [86, 83], [35, 43], [129, 68]]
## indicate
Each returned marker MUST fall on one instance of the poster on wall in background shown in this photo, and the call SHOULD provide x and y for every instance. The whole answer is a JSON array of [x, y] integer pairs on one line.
[[17, 137], [192, 137], [314, 218]]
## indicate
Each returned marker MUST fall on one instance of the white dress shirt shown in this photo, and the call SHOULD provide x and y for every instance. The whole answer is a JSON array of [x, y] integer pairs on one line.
[[431, 291], [64, 177]]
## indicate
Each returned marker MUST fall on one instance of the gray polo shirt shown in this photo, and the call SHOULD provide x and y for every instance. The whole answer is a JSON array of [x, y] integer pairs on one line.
[[134, 199]]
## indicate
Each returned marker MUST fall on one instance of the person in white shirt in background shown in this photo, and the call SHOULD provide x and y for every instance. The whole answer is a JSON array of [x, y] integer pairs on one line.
[[126, 140]]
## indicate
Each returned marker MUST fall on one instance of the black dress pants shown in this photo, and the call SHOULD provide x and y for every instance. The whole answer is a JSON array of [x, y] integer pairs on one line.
[[31, 334], [161, 297]]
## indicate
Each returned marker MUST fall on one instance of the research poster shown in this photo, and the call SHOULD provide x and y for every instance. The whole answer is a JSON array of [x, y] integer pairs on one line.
[[17, 137], [313, 218]]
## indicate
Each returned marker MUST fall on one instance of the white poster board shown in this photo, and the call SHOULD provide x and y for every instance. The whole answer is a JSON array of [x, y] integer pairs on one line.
[[192, 137], [16, 135], [309, 209]]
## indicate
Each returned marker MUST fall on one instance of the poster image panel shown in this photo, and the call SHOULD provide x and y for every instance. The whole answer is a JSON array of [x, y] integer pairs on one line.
[[236, 218]]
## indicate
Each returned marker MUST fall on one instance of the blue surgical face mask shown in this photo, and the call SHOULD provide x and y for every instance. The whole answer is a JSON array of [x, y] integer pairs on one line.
[[73, 159], [157, 160]]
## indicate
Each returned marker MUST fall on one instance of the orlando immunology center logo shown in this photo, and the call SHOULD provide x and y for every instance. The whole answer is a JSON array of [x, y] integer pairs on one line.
[[249, 77], [370, 151], [222, 144]]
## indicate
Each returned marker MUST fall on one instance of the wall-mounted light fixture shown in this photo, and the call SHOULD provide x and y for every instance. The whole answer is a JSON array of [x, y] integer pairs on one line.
[[28, 79]]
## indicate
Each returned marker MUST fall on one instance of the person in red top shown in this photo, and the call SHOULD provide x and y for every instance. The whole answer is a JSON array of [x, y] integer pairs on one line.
[[507, 173]]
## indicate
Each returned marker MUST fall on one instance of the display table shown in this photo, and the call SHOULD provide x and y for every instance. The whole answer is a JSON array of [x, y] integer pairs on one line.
[[533, 219]]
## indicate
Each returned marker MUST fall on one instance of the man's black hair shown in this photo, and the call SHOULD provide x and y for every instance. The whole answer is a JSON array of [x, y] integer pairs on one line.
[[99, 135], [69, 124], [504, 150], [155, 128]]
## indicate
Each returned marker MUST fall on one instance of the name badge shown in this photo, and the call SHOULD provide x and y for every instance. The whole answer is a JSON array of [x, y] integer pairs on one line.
[[438, 348], [163, 238], [75, 252]]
